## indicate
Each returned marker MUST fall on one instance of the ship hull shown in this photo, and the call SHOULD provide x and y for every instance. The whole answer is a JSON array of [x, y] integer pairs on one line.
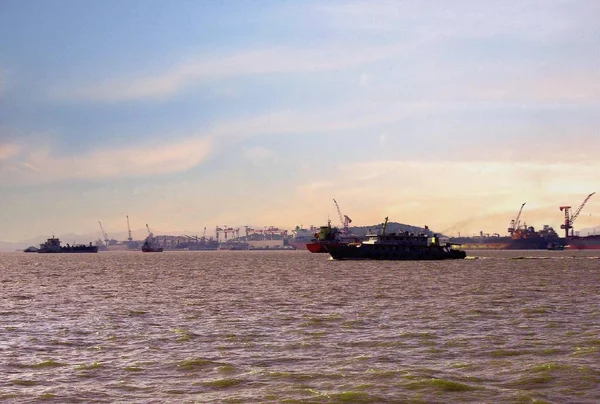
[[146, 249], [298, 245], [370, 252], [509, 244], [317, 248], [584, 243], [321, 247], [66, 250]]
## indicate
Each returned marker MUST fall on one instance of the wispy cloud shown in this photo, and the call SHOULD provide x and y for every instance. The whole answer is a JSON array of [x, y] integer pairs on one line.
[[538, 19], [464, 196], [258, 155], [45, 165], [242, 63], [351, 115], [7, 151]]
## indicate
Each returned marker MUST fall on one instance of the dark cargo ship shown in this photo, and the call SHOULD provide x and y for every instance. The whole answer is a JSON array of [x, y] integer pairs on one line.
[[591, 242], [396, 246], [521, 239], [52, 246]]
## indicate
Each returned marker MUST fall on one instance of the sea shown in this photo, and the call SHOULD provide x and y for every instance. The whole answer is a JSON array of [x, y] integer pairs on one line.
[[296, 327]]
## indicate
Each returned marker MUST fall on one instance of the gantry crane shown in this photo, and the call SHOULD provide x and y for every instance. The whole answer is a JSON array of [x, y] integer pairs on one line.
[[515, 223], [344, 220], [569, 220], [106, 239]]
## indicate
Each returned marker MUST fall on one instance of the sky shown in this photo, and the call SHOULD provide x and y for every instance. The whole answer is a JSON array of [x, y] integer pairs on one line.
[[192, 114]]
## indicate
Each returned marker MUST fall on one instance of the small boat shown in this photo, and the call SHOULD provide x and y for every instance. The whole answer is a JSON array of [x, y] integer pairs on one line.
[[396, 246], [555, 246], [52, 246]]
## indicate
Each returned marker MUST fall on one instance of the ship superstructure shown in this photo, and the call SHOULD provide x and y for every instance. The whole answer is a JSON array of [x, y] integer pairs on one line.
[[395, 246]]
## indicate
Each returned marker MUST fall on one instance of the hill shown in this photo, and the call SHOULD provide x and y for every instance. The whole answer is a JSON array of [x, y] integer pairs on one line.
[[392, 227], [589, 231]]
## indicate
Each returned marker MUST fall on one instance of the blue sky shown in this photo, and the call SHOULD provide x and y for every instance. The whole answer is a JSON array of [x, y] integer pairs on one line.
[[190, 114]]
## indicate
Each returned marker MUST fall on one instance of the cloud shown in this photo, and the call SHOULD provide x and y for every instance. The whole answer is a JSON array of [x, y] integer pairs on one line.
[[351, 115], [258, 155], [465, 196], [242, 63], [45, 165], [7, 151], [537, 20]]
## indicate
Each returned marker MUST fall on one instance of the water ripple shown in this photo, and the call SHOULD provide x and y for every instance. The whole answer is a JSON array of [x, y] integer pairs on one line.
[[295, 327]]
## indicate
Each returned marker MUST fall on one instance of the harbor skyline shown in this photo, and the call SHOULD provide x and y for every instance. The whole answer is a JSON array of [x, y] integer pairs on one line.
[[194, 115]]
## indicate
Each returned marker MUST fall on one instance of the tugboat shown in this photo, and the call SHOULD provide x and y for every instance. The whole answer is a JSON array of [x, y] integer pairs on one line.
[[52, 245], [397, 246]]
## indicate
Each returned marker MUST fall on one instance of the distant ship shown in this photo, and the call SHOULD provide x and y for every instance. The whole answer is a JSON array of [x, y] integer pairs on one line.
[[150, 245], [302, 237], [327, 236], [52, 245], [522, 239], [395, 246]]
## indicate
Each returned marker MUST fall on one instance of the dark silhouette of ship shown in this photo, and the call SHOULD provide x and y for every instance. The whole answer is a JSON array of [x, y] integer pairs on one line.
[[396, 246], [52, 245], [521, 237]]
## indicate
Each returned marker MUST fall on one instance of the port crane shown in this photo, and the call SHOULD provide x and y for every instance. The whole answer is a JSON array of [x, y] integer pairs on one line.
[[149, 232], [104, 235], [515, 223], [344, 220], [129, 238], [570, 219]]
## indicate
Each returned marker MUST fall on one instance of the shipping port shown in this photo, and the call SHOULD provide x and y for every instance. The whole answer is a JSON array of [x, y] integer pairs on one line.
[[520, 236]]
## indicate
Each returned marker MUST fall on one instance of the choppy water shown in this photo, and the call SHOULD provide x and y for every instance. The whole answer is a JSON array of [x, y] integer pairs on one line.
[[295, 327]]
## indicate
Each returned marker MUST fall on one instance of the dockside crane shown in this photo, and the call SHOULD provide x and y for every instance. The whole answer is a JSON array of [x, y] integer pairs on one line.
[[149, 232], [570, 219], [129, 238], [515, 223], [344, 220], [104, 235]]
